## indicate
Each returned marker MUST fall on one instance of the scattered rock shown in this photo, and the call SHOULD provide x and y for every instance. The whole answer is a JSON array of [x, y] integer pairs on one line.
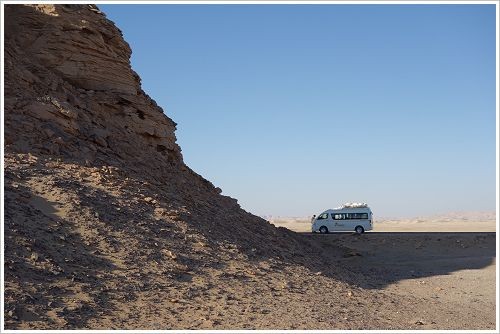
[[352, 253], [170, 254], [34, 257]]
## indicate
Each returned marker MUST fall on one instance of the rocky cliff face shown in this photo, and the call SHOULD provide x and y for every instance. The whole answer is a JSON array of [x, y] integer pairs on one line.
[[68, 77]]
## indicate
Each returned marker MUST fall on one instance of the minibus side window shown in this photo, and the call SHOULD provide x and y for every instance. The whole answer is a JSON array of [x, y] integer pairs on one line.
[[338, 216], [323, 216], [356, 216]]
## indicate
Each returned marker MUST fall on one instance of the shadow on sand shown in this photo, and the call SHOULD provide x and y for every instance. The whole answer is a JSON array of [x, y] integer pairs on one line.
[[377, 259]]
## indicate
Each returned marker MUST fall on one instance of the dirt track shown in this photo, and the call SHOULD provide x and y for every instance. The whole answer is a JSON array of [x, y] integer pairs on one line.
[[449, 278]]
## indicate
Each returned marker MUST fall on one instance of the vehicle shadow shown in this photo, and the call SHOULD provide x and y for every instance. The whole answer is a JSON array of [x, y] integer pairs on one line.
[[378, 259]]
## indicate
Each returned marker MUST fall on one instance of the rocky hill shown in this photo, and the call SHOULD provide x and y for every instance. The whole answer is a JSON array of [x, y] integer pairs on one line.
[[107, 228]]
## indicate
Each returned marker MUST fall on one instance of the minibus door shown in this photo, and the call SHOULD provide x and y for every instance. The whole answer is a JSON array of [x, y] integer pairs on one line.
[[339, 222]]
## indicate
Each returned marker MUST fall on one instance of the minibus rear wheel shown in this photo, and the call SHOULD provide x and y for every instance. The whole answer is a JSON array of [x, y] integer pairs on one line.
[[359, 229], [323, 230]]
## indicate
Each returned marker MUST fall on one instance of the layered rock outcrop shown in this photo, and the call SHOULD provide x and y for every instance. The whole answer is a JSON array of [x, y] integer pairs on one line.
[[68, 71]]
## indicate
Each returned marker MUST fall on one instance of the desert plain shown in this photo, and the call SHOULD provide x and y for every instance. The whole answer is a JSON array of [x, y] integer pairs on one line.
[[447, 260]]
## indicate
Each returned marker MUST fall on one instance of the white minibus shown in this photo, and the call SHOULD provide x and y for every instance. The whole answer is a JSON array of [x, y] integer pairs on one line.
[[350, 217]]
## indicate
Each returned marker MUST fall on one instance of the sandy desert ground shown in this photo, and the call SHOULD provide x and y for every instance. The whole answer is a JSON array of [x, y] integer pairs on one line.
[[449, 278], [378, 280], [447, 261]]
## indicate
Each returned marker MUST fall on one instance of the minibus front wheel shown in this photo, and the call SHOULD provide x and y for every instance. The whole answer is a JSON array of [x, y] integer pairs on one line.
[[323, 230]]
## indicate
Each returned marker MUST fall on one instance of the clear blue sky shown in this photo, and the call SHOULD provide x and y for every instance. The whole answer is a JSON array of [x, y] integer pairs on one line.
[[293, 109]]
